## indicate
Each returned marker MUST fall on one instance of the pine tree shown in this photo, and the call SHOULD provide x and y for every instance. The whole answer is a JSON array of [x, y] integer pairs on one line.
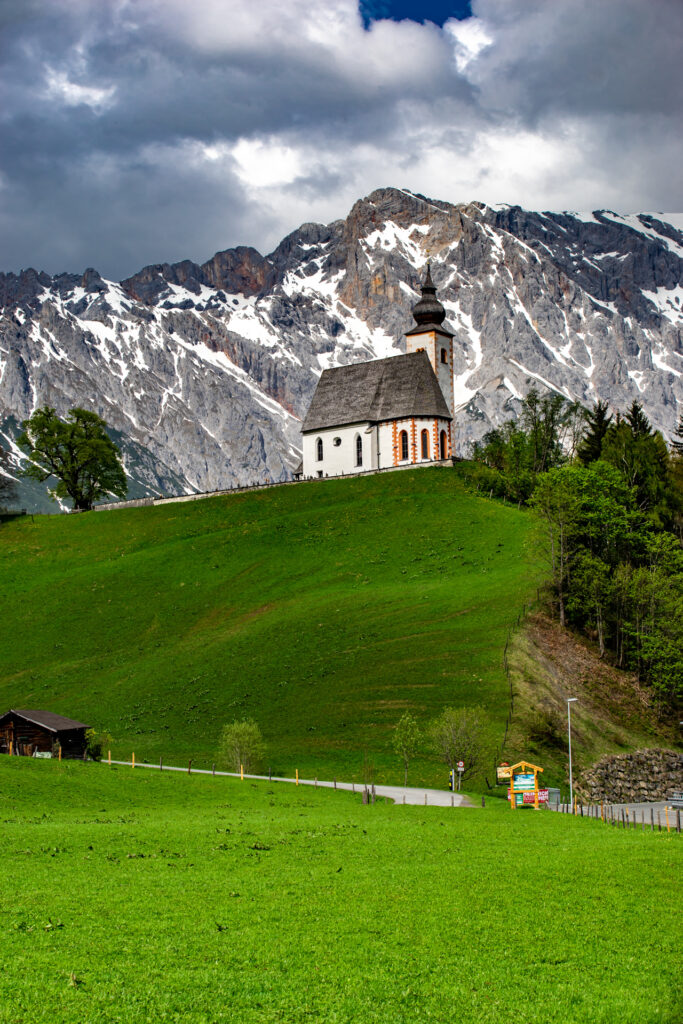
[[677, 439], [598, 423], [638, 421]]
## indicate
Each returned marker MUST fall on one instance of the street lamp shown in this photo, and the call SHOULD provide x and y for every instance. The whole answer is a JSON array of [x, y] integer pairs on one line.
[[570, 700]]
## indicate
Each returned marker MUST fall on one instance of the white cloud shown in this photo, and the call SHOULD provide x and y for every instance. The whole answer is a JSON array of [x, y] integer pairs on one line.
[[263, 162], [73, 94], [470, 38]]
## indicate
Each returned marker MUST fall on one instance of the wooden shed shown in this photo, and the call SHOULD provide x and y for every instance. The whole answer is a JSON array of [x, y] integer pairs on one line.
[[25, 732]]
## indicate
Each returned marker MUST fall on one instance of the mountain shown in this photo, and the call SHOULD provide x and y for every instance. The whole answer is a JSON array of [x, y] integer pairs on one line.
[[204, 371]]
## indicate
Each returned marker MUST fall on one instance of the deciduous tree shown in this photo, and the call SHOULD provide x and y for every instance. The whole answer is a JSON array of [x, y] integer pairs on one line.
[[8, 489], [241, 745], [406, 741], [77, 451], [458, 735]]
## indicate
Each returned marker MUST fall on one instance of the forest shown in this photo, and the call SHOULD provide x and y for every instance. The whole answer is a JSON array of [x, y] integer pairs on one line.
[[608, 493]]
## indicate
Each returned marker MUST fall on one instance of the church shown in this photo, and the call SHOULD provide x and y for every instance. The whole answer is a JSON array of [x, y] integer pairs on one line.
[[388, 412]]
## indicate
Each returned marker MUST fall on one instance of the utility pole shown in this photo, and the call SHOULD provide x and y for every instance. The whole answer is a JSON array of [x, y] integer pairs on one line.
[[570, 701]]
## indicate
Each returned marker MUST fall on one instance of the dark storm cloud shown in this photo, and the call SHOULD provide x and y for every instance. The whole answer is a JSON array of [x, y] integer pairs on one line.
[[136, 132]]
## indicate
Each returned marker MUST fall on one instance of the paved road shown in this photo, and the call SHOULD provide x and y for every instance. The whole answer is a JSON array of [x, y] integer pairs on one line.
[[399, 794]]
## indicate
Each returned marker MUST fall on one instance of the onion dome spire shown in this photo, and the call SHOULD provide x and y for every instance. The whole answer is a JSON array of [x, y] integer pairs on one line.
[[428, 310]]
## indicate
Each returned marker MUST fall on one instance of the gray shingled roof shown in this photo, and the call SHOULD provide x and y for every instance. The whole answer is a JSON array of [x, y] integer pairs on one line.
[[48, 720], [384, 389]]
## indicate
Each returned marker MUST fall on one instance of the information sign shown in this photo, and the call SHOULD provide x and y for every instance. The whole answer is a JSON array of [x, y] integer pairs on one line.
[[523, 788], [529, 798]]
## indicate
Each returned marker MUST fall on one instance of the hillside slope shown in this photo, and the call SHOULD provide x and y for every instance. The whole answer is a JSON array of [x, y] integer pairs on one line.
[[205, 370], [322, 610]]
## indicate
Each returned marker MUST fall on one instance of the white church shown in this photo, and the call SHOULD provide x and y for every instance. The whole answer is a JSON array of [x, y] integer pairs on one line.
[[388, 412]]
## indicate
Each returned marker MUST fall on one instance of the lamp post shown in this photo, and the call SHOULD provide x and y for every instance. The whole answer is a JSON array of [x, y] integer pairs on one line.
[[570, 701]]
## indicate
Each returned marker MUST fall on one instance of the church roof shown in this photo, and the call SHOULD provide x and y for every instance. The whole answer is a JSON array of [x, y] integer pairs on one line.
[[385, 389]]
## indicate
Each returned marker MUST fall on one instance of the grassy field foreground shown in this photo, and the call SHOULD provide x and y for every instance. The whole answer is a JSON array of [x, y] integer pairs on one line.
[[137, 897]]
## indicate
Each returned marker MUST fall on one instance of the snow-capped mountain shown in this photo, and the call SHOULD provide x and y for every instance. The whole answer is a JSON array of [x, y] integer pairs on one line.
[[204, 372]]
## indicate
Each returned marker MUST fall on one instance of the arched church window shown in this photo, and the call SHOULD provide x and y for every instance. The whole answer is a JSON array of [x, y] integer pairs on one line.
[[359, 450], [404, 444], [444, 356], [424, 439], [443, 445], [319, 449]]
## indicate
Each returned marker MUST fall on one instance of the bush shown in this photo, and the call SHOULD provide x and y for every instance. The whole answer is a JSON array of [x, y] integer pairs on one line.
[[241, 745], [96, 742]]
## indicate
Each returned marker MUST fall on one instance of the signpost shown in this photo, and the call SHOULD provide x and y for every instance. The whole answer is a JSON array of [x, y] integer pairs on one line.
[[460, 768], [524, 785]]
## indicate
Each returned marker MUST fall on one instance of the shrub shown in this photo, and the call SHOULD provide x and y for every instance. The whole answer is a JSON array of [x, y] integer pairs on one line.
[[96, 742], [241, 744]]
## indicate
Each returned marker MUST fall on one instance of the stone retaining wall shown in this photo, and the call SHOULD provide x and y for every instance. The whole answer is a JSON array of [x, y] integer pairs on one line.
[[633, 778]]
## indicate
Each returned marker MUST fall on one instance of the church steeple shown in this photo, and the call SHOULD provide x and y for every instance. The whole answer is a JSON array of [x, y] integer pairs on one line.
[[432, 334], [428, 309]]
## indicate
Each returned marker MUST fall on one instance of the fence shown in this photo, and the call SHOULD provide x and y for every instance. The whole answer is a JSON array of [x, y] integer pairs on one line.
[[259, 486], [621, 816]]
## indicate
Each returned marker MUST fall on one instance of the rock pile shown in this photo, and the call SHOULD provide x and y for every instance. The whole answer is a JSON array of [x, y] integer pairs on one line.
[[633, 778]]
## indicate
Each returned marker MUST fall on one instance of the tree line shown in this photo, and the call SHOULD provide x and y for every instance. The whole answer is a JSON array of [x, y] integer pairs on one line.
[[608, 493]]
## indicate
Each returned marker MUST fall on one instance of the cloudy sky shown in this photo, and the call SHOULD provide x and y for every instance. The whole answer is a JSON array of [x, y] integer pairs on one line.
[[142, 131]]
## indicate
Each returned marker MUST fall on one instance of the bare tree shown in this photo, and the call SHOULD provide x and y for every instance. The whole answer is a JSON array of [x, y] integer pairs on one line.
[[406, 740], [458, 735]]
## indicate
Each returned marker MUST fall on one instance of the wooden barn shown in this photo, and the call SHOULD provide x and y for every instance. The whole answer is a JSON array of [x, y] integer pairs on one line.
[[28, 732]]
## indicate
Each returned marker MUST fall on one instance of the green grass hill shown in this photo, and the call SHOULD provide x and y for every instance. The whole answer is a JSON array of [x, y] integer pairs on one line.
[[323, 611]]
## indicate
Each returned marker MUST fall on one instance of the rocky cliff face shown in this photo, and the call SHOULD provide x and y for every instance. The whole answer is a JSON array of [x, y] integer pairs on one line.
[[204, 371]]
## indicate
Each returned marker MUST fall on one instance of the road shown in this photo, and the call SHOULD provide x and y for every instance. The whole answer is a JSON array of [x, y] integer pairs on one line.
[[399, 794]]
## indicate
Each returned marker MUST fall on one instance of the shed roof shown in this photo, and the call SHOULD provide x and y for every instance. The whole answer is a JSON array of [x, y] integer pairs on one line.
[[46, 720], [385, 389]]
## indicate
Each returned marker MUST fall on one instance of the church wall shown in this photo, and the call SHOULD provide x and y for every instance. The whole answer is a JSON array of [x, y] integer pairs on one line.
[[390, 440], [339, 457]]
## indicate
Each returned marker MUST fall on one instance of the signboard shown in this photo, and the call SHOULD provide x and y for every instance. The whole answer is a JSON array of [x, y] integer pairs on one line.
[[523, 789], [42, 753], [529, 798], [503, 773]]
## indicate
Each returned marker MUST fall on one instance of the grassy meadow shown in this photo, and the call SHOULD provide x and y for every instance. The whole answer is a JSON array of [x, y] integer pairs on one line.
[[323, 611], [130, 896]]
